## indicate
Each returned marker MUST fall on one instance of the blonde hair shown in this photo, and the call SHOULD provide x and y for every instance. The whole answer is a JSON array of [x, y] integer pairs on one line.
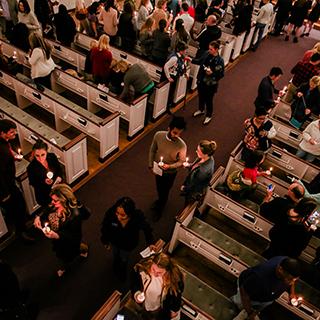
[[161, 3], [208, 147], [66, 197], [173, 277], [93, 44], [103, 43], [148, 24], [315, 80], [316, 47]]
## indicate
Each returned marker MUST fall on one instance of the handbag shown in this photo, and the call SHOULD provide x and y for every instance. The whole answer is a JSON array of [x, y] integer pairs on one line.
[[209, 81], [236, 182]]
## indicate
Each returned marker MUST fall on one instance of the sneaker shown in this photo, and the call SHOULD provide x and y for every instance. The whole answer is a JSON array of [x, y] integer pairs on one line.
[[286, 38], [198, 113], [295, 40], [207, 120]]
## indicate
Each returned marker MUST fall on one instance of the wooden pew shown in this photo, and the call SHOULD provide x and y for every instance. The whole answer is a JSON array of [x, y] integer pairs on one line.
[[233, 257], [71, 153], [161, 94]]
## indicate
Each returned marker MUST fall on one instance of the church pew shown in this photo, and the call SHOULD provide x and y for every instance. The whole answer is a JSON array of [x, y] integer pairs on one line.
[[71, 153], [233, 257]]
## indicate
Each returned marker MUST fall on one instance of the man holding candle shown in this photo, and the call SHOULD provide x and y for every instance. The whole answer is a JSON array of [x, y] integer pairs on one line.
[[261, 285], [170, 150], [11, 198]]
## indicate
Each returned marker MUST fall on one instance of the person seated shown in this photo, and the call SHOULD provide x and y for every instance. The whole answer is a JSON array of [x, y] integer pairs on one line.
[[306, 101], [241, 182], [136, 82], [291, 236]]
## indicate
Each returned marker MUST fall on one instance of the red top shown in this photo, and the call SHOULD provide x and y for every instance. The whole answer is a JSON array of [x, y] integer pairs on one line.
[[251, 174], [191, 11], [101, 61]]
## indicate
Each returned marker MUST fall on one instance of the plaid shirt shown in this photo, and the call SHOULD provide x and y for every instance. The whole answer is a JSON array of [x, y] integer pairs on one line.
[[303, 72]]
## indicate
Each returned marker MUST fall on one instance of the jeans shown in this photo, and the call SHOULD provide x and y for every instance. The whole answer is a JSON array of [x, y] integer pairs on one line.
[[260, 28], [305, 155]]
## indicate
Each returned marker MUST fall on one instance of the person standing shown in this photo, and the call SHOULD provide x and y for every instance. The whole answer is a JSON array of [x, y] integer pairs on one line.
[[44, 171], [210, 72], [283, 8], [261, 285], [200, 174], [167, 153], [266, 89], [109, 18], [264, 17], [11, 198], [8, 16], [120, 232], [27, 17]]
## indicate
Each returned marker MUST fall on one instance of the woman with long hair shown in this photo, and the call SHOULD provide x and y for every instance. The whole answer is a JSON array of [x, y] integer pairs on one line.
[[143, 13], [158, 283], [43, 171], [41, 61], [101, 58], [62, 223], [201, 171], [180, 34], [27, 17], [146, 37]]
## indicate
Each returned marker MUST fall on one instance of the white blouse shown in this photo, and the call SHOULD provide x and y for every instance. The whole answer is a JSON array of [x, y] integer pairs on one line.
[[153, 294], [40, 66]]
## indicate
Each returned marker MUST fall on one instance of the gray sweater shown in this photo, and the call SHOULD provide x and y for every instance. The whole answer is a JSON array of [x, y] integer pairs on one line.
[[173, 151]]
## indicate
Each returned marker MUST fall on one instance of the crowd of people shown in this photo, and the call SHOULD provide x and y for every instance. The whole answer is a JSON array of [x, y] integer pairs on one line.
[[163, 34]]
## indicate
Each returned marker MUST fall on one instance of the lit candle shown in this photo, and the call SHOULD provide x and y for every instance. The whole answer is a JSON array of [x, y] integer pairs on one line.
[[19, 156], [14, 55], [140, 296], [269, 171], [186, 163], [296, 301], [49, 174], [161, 163], [46, 228]]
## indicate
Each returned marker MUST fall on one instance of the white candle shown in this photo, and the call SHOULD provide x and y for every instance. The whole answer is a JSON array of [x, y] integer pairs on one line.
[[19, 155], [49, 174], [46, 228], [296, 301], [186, 163], [14, 55], [140, 297], [161, 163], [269, 171]]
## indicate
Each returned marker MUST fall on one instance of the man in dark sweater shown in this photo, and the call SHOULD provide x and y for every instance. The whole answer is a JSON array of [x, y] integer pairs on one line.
[[210, 33], [266, 89], [11, 198], [136, 82], [261, 285]]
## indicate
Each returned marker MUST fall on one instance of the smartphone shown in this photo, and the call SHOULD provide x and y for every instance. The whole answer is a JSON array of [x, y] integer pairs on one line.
[[270, 187], [119, 317], [314, 218]]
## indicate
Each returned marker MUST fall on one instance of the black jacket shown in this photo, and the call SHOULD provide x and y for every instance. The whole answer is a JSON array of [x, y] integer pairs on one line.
[[37, 174], [266, 90], [127, 237], [211, 33], [65, 28]]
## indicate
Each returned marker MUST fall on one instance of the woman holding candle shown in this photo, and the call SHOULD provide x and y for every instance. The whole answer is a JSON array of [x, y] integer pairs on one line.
[[158, 283], [43, 171], [201, 170], [64, 225]]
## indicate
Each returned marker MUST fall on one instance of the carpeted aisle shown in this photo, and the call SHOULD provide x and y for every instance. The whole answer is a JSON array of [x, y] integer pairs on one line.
[[79, 294]]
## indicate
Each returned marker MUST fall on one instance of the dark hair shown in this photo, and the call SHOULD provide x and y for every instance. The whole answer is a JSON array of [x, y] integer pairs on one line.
[[261, 112], [185, 6], [275, 71], [128, 8], [177, 122], [253, 159], [215, 44], [127, 204], [62, 9], [6, 125], [40, 144], [162, 24], [181, 46], [25, 6], [297, 191], [305, 207], [291, 266], [109, 4], [315, 57], [92, 9]]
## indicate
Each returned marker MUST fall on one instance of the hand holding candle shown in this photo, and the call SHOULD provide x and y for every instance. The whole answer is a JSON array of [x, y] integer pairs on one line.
[[161, 163], [19, 156], [50, 175], [46, 228], [139, 296]]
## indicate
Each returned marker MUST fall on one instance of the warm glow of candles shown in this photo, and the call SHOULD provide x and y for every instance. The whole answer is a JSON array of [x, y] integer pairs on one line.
[[49, 174], [46, 228], [161, 163], [140, 296], [186, 163]]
